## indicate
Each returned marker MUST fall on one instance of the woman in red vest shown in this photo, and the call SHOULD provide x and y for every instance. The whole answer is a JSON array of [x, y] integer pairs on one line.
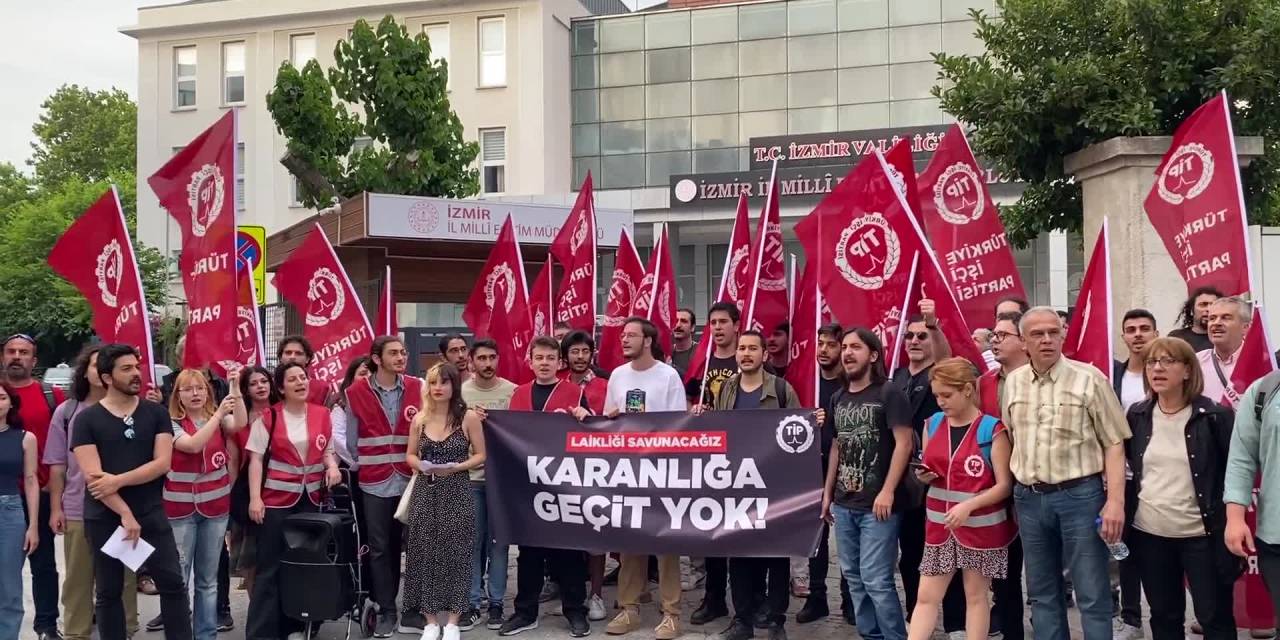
[[258, 394], [291, 460], [968, 526], [197, 489]]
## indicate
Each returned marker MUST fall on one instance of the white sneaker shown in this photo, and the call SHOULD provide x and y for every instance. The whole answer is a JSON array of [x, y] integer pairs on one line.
[[595, 609], [297, 635], [431, 632], [557, 610], [451, 632], [1122, 631], [956, 635]]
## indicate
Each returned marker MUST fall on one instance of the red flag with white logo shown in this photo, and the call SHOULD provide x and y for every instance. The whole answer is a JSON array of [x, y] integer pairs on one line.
[[624, 283], [902, 169], [197, 188], [1197, 204], [767, 304], [95, 254], [541, 302], [733, 283], [1090, 329], [388, 320], [656, 297], [248, 329], [802, 373], [314, 282], [575, 249], [499, 305], [1256, 360], [965, 230]]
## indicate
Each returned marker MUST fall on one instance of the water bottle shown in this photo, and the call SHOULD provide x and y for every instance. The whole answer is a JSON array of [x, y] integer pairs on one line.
[[1118, 550]]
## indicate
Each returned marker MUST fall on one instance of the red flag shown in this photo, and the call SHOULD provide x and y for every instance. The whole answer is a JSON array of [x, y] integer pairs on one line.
[[499, 305], [314, 282], [388, 317], [628, 275], [575, 249], [197, 187], [767, 305], [656, 297], [248, 330], [802, 373], [965, 230], [95, 254], [541, 302], [1256, 360], [733, 279], [1197, 205], [902, 169], [1090, 329]]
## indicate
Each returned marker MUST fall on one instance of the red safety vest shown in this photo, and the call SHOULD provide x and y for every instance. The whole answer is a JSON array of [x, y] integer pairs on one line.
[[564, 397], [381, 446], [989, 392], [287, 474], [198, 482], [965, 474], [596, 389]]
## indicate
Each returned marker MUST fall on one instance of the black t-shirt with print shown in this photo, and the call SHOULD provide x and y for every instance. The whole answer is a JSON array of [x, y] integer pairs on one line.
[[123, 447], [863, 423], [718, 370]]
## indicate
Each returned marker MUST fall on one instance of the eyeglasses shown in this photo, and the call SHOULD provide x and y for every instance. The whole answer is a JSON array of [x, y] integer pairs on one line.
[[920, 336], [1001, 336], [1164, 362], [190, 389]]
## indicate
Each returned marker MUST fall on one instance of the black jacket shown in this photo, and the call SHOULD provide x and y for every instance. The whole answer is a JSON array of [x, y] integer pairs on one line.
[[1208, 437]]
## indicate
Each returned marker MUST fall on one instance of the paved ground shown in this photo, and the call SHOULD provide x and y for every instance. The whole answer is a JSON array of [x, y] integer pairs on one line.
[[831, 628]]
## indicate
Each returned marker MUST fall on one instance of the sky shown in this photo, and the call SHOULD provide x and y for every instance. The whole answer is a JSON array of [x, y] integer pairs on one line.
[[49, 43]]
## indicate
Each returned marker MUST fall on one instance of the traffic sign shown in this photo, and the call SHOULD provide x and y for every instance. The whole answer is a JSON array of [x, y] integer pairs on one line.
[[251, 245]]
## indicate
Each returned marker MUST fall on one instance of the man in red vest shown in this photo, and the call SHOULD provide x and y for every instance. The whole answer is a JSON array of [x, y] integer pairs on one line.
[[380, 409], [568, 567], [578, 351]]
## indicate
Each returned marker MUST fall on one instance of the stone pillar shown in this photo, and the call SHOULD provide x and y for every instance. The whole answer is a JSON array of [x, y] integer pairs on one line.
[[1116, 176]]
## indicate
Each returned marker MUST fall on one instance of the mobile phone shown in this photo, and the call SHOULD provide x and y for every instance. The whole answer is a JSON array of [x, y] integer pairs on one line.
[[919, 467]]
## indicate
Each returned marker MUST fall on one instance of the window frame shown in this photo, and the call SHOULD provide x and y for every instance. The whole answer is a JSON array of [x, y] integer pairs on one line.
[[448, 48], [244, 74], [293, 48], [484, 164], [482, 55], [179, 79]]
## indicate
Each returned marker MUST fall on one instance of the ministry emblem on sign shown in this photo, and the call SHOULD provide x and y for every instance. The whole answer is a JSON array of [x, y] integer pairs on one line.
[[326, 298], [1187, 174], [868, 252], [958, 194], [423, 217], [204, 195], [108, 269]]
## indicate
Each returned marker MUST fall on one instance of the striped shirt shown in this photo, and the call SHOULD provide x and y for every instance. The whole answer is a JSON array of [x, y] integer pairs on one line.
[[1061, 421]]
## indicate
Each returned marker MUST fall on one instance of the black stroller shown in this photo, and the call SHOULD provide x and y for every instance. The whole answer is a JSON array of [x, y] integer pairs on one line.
[[320, 572]]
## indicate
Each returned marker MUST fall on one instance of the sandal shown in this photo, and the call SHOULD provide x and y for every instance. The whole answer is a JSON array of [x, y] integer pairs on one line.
[[147, 586]]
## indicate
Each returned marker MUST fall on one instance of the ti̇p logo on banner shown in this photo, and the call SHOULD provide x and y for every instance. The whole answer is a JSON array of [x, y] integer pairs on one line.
[[795, 434], [326, 297], [110, 264], [500, 283], [204, 194], [1187, 175], [622, 291], [958, 194], [868, 251]]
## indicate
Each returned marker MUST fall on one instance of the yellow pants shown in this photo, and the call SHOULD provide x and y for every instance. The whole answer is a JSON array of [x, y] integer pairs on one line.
[[633, 580]]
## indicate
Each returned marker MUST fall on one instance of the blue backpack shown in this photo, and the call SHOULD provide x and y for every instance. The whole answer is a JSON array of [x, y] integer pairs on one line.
[[986, 432]]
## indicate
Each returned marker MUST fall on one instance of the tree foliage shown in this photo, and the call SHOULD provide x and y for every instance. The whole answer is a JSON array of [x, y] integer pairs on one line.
[[85, 134], [1059, 75], [402, 100]]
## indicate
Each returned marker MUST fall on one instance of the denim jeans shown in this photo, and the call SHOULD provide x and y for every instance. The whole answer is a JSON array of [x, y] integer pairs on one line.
[[868, 549], [200, 542], [486, 550], [13, 529], [1059, 531]]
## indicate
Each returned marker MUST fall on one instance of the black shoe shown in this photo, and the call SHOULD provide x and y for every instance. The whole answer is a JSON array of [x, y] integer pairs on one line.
[[708, 611], [813, 609], [518, 623], [469, 620], [550, 591], [225, 622], [495, 619], [611, 578], [50, 634], [411, 622], [846, 610], [578, 625], [155, 624], [737, 630], [777, 632], [763, 618], [386, 625]]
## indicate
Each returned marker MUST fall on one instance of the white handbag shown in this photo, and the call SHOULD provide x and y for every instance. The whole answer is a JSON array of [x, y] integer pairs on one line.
[[402, 508]]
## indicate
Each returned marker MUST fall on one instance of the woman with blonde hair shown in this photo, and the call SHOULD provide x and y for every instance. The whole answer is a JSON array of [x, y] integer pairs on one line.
[[968, 526], [441, 508], [1178, 455], [197, 489]]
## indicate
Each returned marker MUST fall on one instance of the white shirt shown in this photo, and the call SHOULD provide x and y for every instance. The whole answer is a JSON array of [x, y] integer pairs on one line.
[[657, 388], [338, 416], [1131, 391], [1213, 387], [294, 424]]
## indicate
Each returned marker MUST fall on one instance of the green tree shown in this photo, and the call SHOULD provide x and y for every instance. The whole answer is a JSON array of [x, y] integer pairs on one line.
[[15, 188], [1059, 75], [417, 146], [86, 134]]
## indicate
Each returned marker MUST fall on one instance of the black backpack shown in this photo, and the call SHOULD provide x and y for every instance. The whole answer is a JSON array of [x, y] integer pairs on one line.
[[1266, 387]]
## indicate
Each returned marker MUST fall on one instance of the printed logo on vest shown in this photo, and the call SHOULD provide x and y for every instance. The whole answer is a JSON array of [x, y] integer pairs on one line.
[[974, 466]]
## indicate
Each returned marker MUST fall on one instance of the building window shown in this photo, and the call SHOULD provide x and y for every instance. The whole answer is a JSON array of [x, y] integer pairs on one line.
[[438, 36], [302, 49], [240, 176], [184, 77], [493, 161], [295, 191], [233, 73], [493, 52]]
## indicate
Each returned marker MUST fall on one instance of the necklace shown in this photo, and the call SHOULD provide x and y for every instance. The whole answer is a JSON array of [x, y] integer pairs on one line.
[[1169, 413]]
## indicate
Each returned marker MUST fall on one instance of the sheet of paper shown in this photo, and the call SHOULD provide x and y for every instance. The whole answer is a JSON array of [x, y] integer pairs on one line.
[[125, 551]]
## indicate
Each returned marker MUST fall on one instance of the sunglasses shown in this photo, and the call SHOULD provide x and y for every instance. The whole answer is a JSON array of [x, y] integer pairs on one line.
[[920, 336], [19, 336]]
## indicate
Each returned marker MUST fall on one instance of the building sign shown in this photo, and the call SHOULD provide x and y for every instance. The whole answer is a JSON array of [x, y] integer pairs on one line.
[[419, 218], [841, 148]]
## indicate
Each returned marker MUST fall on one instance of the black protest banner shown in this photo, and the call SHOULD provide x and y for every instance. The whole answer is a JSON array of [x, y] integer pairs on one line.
[[729, 483]]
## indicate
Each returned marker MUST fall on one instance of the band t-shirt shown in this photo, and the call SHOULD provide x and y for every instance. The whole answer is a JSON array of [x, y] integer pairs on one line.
[[863, 422], [718, 370], [123, 447]]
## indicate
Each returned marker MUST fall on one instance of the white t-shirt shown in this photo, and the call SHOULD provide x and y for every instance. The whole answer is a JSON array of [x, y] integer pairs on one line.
[[657, 388], [1131, 391], [295, 424]]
